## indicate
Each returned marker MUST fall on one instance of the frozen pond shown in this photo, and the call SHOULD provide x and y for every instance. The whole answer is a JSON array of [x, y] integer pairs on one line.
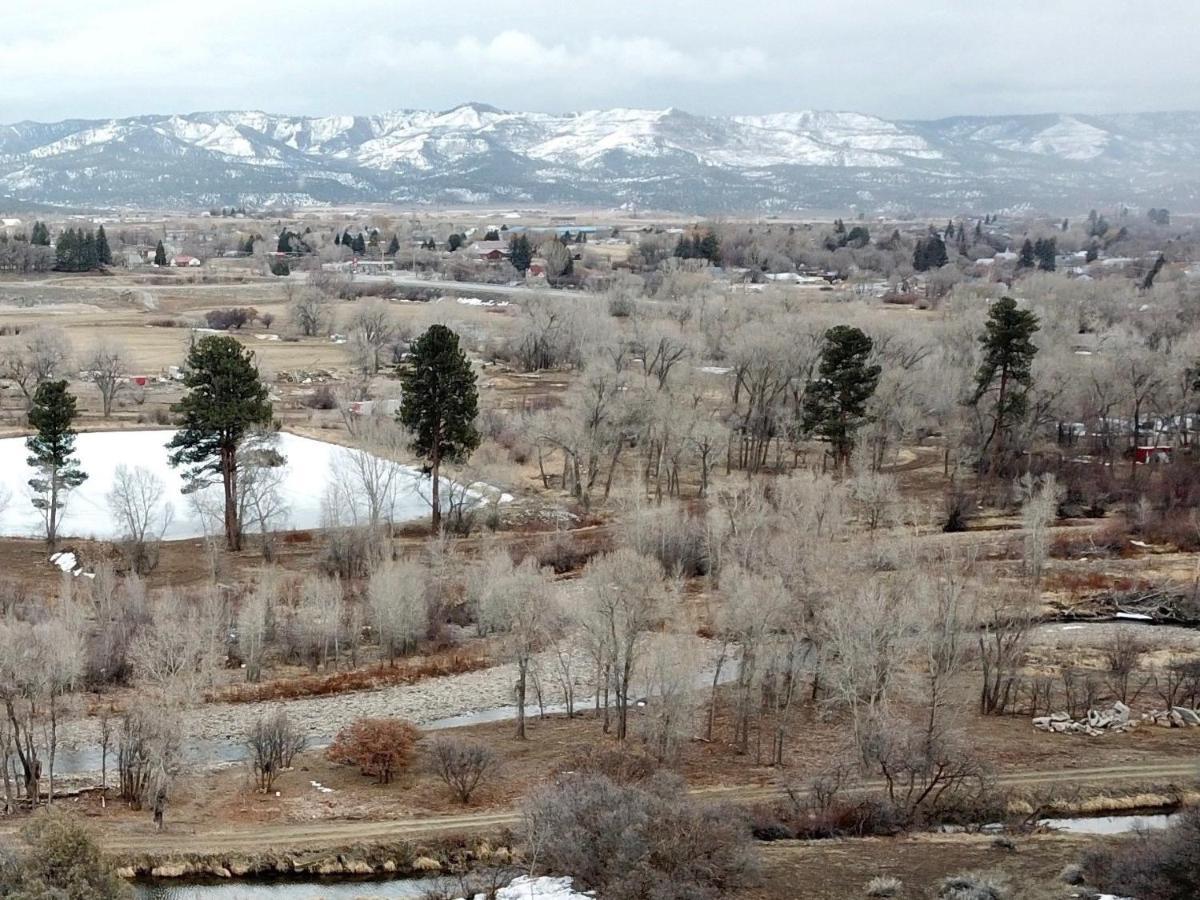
[[522, 888], [1109, 824], [87, 515]]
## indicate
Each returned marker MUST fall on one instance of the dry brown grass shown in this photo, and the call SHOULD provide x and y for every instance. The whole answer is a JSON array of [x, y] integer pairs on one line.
[[1082, 584], [454, 662]]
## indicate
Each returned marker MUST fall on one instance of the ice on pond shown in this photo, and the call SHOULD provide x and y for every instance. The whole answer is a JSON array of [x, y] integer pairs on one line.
[[1108, 824], [304, 478]]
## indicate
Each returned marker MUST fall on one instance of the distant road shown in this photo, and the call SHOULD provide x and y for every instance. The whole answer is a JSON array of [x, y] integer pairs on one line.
[[400, 281]]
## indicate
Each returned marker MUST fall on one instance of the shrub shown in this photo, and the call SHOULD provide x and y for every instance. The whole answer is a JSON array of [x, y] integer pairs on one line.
[[350, 552], [1071, 874], [1152, 865], [322, 398], [562, 552], [1004, 842], [62, 861], [462, 764], [616, 764], [883, 886], [231, 319], [379, 747], [674, 536], [958, 506], [621, 307], [972, 886], [629, 842]]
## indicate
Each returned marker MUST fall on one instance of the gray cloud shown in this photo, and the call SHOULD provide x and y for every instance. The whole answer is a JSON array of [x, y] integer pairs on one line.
[[936, 58]]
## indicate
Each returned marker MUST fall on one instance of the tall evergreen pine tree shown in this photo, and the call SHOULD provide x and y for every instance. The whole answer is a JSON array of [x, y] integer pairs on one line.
[[51, 453], [439, 404], [1005, 375], [835, 403], [103, 251], [225, 401]]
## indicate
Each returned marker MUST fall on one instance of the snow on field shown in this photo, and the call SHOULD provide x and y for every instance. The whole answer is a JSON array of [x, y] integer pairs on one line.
[[65, 561], [87, 512]]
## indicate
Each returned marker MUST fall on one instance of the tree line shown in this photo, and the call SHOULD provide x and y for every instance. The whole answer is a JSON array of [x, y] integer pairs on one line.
[[82, 251]]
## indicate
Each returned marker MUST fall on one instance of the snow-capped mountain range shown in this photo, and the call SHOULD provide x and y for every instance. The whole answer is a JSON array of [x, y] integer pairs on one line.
[[663, 159]]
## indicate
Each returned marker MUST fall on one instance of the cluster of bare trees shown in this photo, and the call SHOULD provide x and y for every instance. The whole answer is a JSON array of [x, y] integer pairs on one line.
[[36, 354], [44, 352], [40, 663], [97, 633], [699, 377]]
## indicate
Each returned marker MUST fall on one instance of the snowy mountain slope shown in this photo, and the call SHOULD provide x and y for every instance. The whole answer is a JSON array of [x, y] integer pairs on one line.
[[659, 158]]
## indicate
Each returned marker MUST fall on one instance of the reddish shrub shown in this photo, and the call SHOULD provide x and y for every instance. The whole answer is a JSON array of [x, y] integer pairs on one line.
[[379, 747], [382, 675]]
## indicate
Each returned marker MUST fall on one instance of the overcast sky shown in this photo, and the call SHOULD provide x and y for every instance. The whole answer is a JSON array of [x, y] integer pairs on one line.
[[916, 59]]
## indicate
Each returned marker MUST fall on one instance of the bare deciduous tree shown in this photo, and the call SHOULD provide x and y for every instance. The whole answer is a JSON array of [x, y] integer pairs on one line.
[[137, 502], [273, 741], [622, 594], [627, 841], [180, 650], [108, 364], [462, 764], [1005, 633], [1123, 657], [261, 499], [516, 604], [397, 596], [149, 741], [309, 312], [864, 627], [255, 618], [43, 353], [38, 665], [371, 330], [315, 622], [670, 682]]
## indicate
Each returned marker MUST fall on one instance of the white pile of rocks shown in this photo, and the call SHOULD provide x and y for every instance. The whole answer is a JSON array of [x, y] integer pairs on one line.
[[1117, 718], [1175, 717]]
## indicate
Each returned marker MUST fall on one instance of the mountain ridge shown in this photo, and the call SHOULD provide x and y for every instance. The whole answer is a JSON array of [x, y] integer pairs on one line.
[[618, 157]]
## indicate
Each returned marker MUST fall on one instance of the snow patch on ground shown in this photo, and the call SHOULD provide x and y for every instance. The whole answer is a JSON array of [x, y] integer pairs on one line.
[[544, 888]]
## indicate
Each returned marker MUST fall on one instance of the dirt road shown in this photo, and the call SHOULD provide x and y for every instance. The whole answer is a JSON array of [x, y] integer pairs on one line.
[[339, 833]]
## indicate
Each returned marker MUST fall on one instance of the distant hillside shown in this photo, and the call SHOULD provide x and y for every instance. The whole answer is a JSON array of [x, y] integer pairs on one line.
[[665, 159]]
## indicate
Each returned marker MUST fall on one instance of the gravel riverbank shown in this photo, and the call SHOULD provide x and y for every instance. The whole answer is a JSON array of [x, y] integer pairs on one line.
[[423, 703]]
